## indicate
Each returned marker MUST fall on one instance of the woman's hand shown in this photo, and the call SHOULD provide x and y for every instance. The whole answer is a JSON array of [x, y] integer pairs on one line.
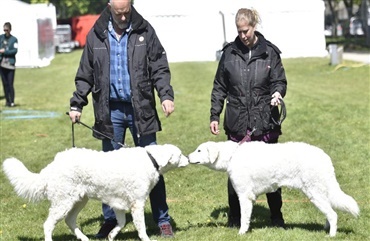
[[275, 101], [214, 128]]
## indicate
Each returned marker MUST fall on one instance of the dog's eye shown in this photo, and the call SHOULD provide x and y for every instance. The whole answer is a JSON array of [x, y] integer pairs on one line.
[[198, 150]]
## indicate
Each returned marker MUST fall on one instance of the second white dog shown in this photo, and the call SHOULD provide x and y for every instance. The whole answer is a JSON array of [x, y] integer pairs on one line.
[[256, 168], [122, 179]]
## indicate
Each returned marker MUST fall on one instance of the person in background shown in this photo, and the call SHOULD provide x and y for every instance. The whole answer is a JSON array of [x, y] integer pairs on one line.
[[8, 50], [251, 78], [122, 63]]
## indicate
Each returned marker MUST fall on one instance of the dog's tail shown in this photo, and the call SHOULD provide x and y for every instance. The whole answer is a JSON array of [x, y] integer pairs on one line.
[[26, 184], [340, 200]]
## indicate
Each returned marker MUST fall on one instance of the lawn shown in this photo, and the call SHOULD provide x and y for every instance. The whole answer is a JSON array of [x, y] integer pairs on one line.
[[326, 106]]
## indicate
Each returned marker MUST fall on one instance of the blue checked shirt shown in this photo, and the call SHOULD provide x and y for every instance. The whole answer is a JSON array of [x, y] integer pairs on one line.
[[119, 76]]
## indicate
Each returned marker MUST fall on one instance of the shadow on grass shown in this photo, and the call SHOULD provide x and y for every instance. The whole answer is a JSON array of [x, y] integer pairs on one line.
[[152, 230], [260, 219]]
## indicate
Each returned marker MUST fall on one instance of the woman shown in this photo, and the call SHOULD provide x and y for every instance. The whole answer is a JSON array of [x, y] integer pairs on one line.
[[251, 78], [8, 50]]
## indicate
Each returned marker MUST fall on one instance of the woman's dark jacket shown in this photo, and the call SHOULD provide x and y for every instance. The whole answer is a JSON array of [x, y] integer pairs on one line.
[[247, 84], [148, 68]]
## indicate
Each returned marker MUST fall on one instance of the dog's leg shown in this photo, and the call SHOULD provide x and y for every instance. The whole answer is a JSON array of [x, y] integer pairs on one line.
[[137, 212], [72, 216], [246, 206], [121, 221], [323, 204], [57, 211]]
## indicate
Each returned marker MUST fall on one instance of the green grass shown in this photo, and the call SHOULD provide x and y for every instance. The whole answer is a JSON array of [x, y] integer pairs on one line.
[[326, 107]]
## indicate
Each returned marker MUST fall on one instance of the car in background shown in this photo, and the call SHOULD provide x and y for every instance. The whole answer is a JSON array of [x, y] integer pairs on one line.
[[63, 39]]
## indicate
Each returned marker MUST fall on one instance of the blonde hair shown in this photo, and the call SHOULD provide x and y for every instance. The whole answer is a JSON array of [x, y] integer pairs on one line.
[[251, 16]]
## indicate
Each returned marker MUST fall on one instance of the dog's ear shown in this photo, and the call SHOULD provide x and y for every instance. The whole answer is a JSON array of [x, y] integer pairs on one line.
[[213, 151]]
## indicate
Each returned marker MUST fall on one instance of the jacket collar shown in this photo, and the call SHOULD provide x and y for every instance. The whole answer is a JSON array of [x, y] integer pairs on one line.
[[259, 49]]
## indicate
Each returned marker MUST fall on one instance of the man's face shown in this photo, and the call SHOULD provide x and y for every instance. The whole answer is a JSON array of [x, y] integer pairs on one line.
[[121, 12]]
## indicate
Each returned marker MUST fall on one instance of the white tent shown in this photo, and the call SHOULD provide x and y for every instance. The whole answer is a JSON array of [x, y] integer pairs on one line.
[[34, 26], [194, 30]]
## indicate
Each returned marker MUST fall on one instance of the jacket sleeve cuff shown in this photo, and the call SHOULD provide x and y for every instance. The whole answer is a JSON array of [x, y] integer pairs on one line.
[[214, 118], [73, 108]]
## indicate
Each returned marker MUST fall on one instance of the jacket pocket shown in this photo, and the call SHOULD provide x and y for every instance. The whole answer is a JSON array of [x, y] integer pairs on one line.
[[146, 99], [232, 115], [261, 118]]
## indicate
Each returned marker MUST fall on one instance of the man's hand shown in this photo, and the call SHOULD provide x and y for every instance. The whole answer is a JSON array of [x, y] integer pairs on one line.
[[168, 107], [75, 116], [214, 128]]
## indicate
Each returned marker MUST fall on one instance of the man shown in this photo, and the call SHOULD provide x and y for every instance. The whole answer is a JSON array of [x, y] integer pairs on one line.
[[122, 63]]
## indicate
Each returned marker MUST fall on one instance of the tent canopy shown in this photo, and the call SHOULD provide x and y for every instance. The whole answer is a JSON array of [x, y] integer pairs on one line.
[[34, 31]]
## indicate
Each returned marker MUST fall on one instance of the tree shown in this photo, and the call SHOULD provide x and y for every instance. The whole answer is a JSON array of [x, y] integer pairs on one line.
[[349, 5], [71, 8]]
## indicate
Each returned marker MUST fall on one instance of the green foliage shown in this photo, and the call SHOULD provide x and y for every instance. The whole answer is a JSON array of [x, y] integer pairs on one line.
[[71, 8], [326, 106]]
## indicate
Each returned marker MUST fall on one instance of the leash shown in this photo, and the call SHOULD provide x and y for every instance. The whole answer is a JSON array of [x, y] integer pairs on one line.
[[155, 164], [98, 132], [247, 137], [282, 113], [282, 116]]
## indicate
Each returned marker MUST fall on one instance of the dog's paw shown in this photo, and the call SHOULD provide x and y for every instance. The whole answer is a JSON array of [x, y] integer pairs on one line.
[[242, 231]]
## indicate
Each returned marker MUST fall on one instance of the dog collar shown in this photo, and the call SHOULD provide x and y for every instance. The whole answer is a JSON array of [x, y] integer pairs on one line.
[[155, 164]]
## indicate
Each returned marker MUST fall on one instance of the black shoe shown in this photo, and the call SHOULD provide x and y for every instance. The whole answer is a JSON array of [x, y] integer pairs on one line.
[[10, 105], [105, 229], [233, 222], [278, 223]]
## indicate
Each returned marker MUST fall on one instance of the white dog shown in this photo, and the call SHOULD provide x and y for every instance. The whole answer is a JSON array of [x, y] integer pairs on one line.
[[122, 179], [256, 168]]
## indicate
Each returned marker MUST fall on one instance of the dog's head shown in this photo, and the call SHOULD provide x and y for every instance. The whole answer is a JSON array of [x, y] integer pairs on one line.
[[208, 154], [167, 156]]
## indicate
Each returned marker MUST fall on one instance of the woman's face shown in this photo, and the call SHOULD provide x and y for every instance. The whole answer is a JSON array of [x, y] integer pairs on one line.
[[246, 33]]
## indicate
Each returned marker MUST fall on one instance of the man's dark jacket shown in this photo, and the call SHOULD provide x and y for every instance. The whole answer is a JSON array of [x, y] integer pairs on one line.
[[247, 85], [148, 68]]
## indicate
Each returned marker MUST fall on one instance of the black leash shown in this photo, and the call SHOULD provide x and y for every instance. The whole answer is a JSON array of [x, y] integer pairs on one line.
[[98, 132], [155, 164], [282, 113]]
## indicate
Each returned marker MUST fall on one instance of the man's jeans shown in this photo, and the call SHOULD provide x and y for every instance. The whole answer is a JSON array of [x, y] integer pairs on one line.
[[122, 116]]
